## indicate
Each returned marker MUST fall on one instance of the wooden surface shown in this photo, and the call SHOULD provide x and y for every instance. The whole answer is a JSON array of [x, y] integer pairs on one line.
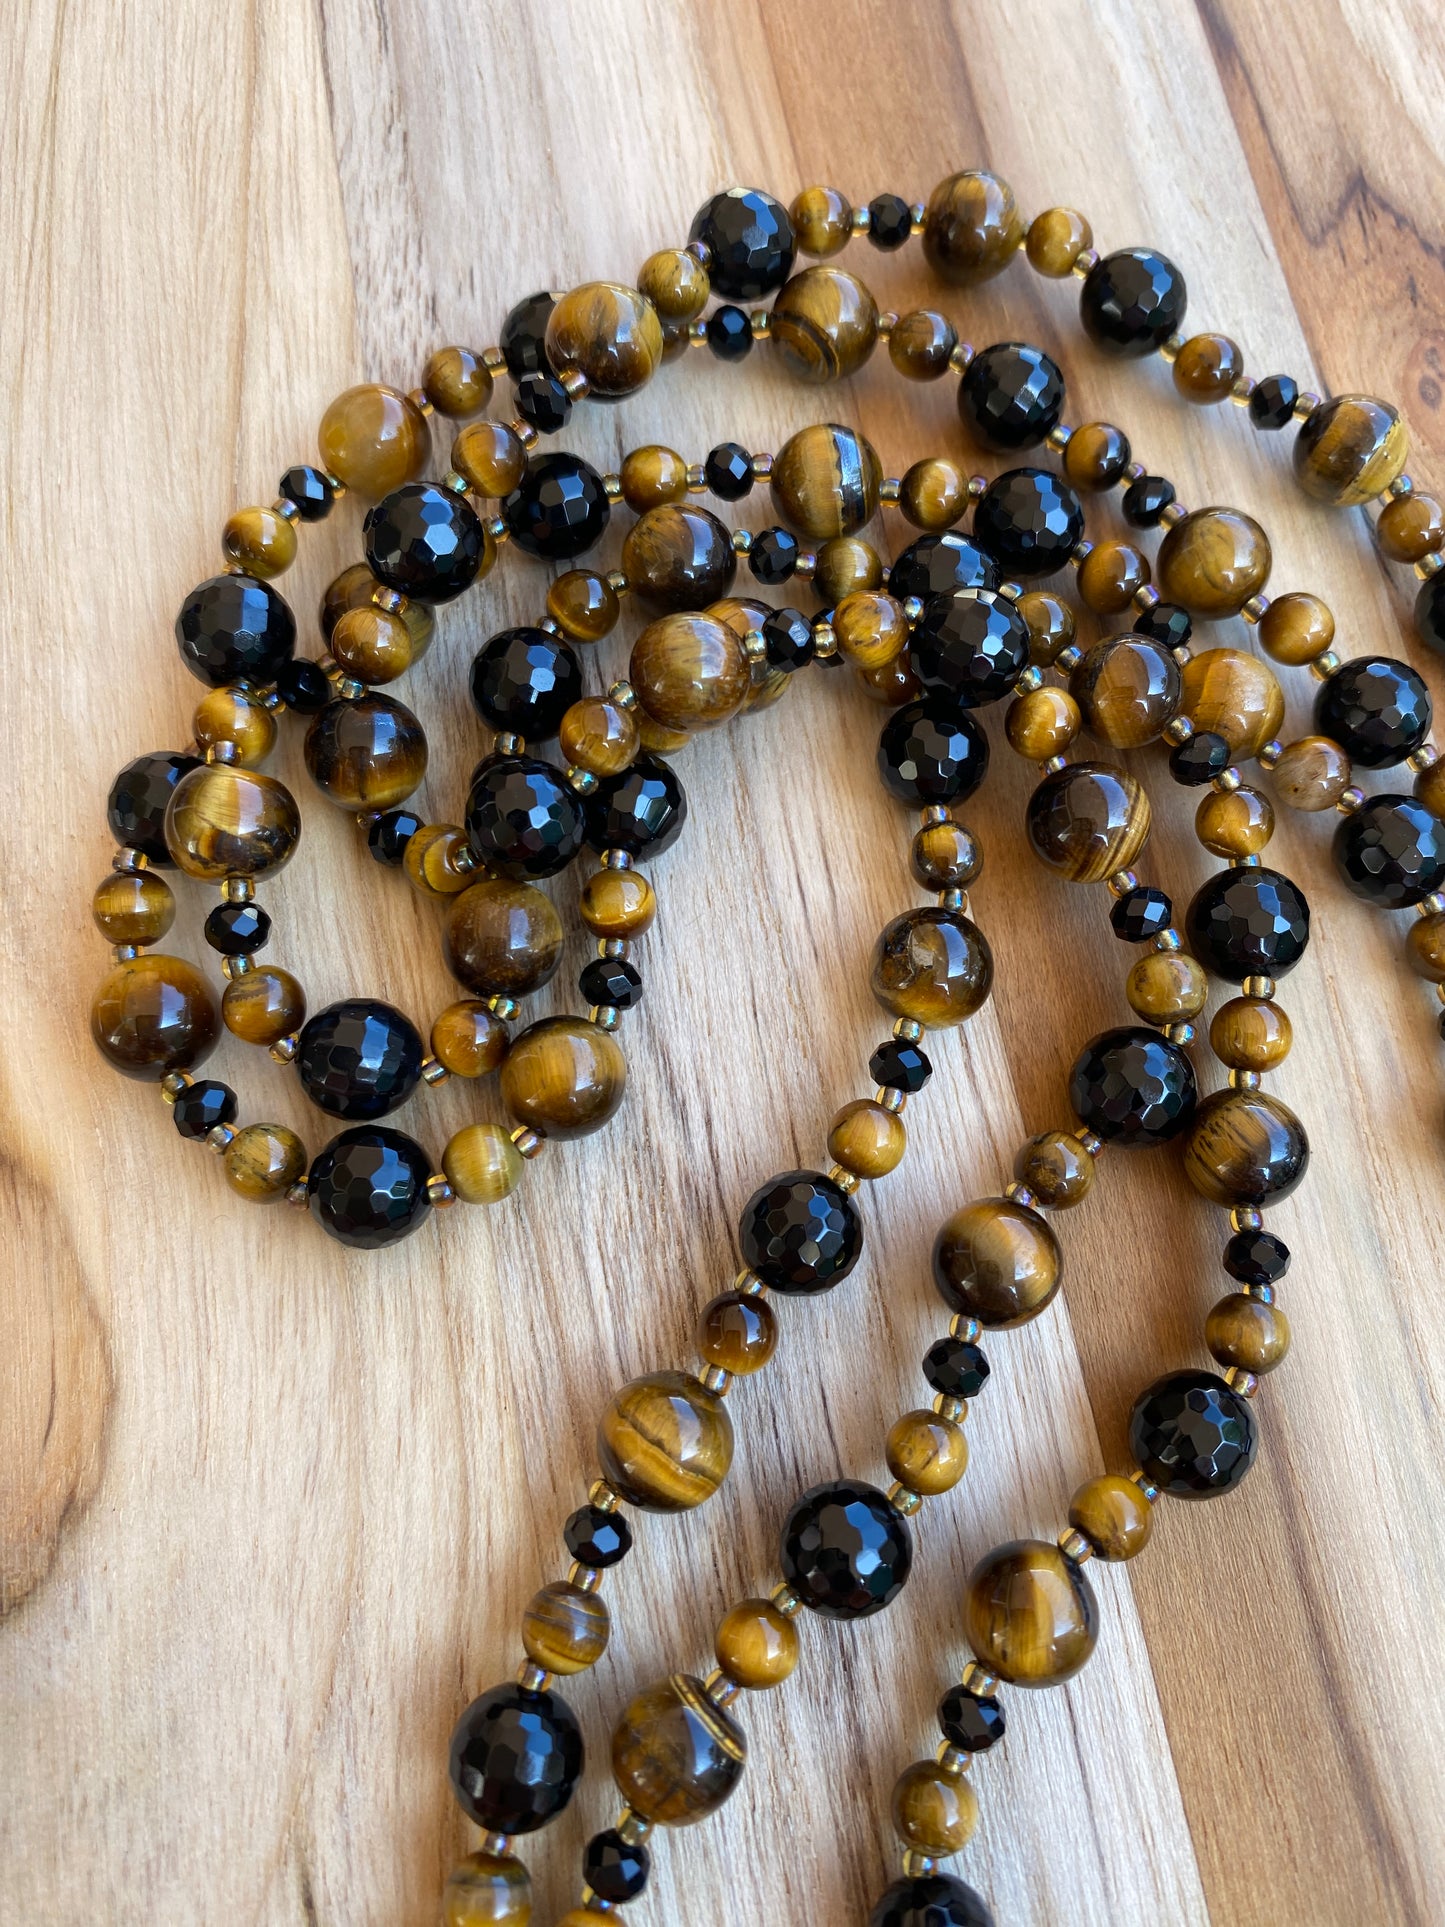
[[269, 1511]]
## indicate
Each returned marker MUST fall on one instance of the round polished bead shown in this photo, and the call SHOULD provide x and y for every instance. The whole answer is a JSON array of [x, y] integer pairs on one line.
[[1055, 240], [1248, 923], [972, 1722], [260, 541], [263, 1005], [610, 982], [457, 382], [359, 1058], [844, 564], [1425, 947], [502, 938], [1042, 723], [558, 509], [933, 493], [583, 604], [689, 670], [236, 929], [1207, 367], [373, 439], [997, 1261], [1377, 709], [955, 1368], [373, 645], [642, 811], [139, 796], [389, 836], [618, 903], [1250, 1034], [737, 1332], [676, 1755], [1271, 406], [134, 908], [615, 1869], [1029, 1614], [800, 1233], [1256, 1258], [1096, 456], [490, 458], [867, 1139], [1350, 449], [1213, 560], [1087, 821], [1128, 689], [154, 1014], [1132, 301], [1296, 628], [1141, 914], [773, 558], [468, 1039], [1113, 1515], [235, 629], [564, 1077], [223, 821], [900, 1066], [596, 1538], [355, 588], [1111, 576], [675, 283], [1145, 501], [756, 1645], [1029, 522], [1234, 823], [564, 1629], [1011, 396], [929, 1900], [263, 1161], [893, 685], [368, 1188], [1391, 852], [1235, 696], [1132, 1087], [934, 1811], [824, 325], [1430, 613], [930, 752], [516, 1756], [933, 966], [1199, 760], [730, 333], [971, 228], [609, 332], [425, 542], [678, 556], [945, 856], [1411, 527], [487, 1890], [822, 220], [1247, 1335], [926, 1452], [825, 481], [1056, 1168], [921, 343], [870, 628], [525, 680], [969, 647], [237, 720], [937, 564], [1192, 1435], [846, 1551], [523, 819], [482, 1164], [369, 754], [308, 491], [749, 240]]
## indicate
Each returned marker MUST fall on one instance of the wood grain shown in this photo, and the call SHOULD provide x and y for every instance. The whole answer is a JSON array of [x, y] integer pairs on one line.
[[269, 1512]]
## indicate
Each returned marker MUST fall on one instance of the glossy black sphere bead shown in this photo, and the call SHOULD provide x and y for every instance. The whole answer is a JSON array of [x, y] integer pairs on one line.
[[1132, 301], [1256, 1257], [642, 811], [890, 222], [1391, 852], [1430, 613], [308, 491], [1377, 710], [932, 752], [956, 1368], [1205, 756], [730, 333], [800, 1233], [388, 836], [303, 686], [201, 1106], [1145, 501], [1271, 405], [559, 509], [611, 982], [788, 637], [773, 556], [1132, 1087], [929, 1900], [597, 1538], [1141, 913], [939, 564], [237, 929], [1011, 396], [846, 1551], [970, 647], [235, 629], [525, 680], [1166, 623], [615, 1871], [972, 1721], [523, 818], [900, 1066], [1029, 521], [544, 402], [516, 1756], [425, 542], [136, 806], [1192, 1435], [524, 333], [749, 239], [728, 471], [359, 1058], [368, 1187], [1248, 923]]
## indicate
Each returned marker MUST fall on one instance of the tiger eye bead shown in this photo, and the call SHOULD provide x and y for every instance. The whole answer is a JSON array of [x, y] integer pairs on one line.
[[1237, 823], [824, 324], [689, 672], [674, 282], [971, 228], [1296, 628], [997, 1261], [926, 1452], [153, 1014], [565, 1630], [611, 333], [1212, 561], [1250, 1034], [1095, 456], [457, 382], [1207, 367], [1042, 723], [366, 755], [263, 1161], [1056, 1168], [846, 565], [1110, 576], [1425, 947], [866, 1139], [825, 481], [665, 1442], [1246, 1334], [1234, 696], [1056, 238], [263, 1005], [822, 221], [1166, 987], [921, 343], [490, 458], [234, 717], [374, 439], [1349, 450], [1050, 623], [1128, 690], [487, 1890], [1411, 527], [438, 861], [678, 557], [945, 856], [223, 822], [259, 541], [598, 736], [354, 589], [934, 1812], [933, 966], [373, 645], [933, 493], [1430, 788], [584, 606], [564, 1077], [675, 1755], [653, 476], [483, 1166], [1244, 1148], [870, 628], [1029, 1614], [468, 1039], [503, 938], [618, 903], [1087, 821], [1113, 1515], [1312, 773], [134, 907], [737, 1332], [756, 1645]]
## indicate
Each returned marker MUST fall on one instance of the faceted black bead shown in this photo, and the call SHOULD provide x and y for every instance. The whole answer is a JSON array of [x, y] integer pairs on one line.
[[750, 239], [1192, 1435], [1392, 852], [846, 1552], [359, 1058], [1205, 756], [544, 402], [930, 1900], [788, 635], [1248, 923], [525, 680], [308, 492], [730, 333], [1140, 914], [368, 1187], [235, 629], [615, 1871], [968, 1720], [1430, 613], [523, 818], [389, 835], [1145, 501], [939, 564], [971, 646], [1272, 403], [203, 1105], [1011, 396], [237, 929], [890, 221], [900, 1066], [773, 556], [1029, 521], [516, 1756], [955, 1368], [611, 981], [597, 1538], [1132, 301], [136, 806], [1132, 1087], [932, 752], [800, 1233], [559, 508], [424, 541], [641, 811], [1256, 1257], [728, 471], [1377, 710], [1166, 623], [523, 333], [303, 686]]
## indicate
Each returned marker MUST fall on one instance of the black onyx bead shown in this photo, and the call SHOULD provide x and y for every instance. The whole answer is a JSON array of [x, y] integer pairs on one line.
[[932, 752], [136, 806], [970, 1720], [1272, 403], [890, 221], [788, 636], [523, 819], [729, 333], [611, 981], [642, 811], [1200, 760], [939, 564], [1192, 1435], [516, 1756], [308, 492], [1430, 613], [1132, 1087], [955, 1368], [1166, 623], [597, 1538], [1377, 710], [544, 402], [615, 1871], [930, 1900], [1145, 501], [1029, 521], [1248, 923], [202, 1106], [1141, 913], [1132, 301], [971, 646], [1392, 852], [236, 929], [235, 629], [749, 239], [303, 686], [900, 1066], [1256, 1257], [424, 541], [728, 471], [846, 1552], [359, 1058], [389, 835], [773, 556], [525, 680], [1011, 396], [523, 334], [368, 1187], [800, 1233], [559, 509]]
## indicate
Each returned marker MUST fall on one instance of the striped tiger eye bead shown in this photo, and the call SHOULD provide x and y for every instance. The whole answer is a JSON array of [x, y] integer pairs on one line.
[[564, 1629], [665, 1442]]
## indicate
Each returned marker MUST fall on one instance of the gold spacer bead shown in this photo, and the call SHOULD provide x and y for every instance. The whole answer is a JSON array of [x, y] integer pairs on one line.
[[612, 487], [1429, 565], [1088, 260], [503, 1007], [527, 1141], [129, 862], [1093, 1145], [525, 433], [1270, 753], [1241, 1381], [219, 1137], [633, 1828], [575, 383], [903, 1499], [439, 1191], [1121, 883], [1175, 512], [742, 541], [761, 323], [1146, 1485], [624, 695], [1059, 437], [786, 1600], [720, 1687], [581, 780], [954, 1761], [825, 643], [891, 1098], [125, 952], [960, 356], [1169, 349], [1324, 666], [1020, 1194], [1351, 800], [947, 1406], [298, 1195], [497, 1843], [978, 1680], [1178, 730], [584, 1578], [908, 1029], [1244, 1080], [605, 1016], [1227, 781], [1426, 757], [1244, 1217], [1254, 609], [846, 1181], [916, 1865], [964, 1325], [1243, 388], [605, 1497], [238, 890], [1169, 939], [749, 1284], [284, 1048], [233, 967], [889, 489], [532, 1677], [717, 1380], [1073, 1545], [1306, 405]]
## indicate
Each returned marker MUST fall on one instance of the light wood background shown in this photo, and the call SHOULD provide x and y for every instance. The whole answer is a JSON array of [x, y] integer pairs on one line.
[[269, 1511]]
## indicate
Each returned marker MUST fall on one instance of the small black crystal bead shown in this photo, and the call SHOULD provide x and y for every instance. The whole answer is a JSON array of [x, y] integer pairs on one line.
[[730, 333], [800, 1233], [1256, 1257], [1145, 501], [359, 1058], [1430, 613], [939, 564], [955, 1368], [615, 1871], [611, 981], [516, 1756], [788, 637], [303, 686], [1166, 623], [597, 1538], [890, 222], [971, 647], [523, 818], [202, 1106], [642, 811], [368, 1187], [773, 556], [900, 1066], [932, 752], [136, 806], [235, 629], [846, 1552], [750, 241], [1132, 1087], [544, 402], [1011, 396], [1377, 710], [524, 333], [970, 1720], [1272, 403], [1192, 1435], [424, 541], [559, 509], [1200, 760], [929, 1900], [1029, 521], [1392, 852], [389, 835], [237, 929], [308, 492], [1248, 923], [728, 471], [1140, 914], [1132, 301], [525, 680]]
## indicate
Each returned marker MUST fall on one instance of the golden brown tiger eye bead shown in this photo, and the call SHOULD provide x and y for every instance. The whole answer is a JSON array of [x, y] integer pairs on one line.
[[652, 476], [1244, 1147], [487, 1890], [756, 1645], [456, 382], [598, 736], [1056, 1168], [846, 565], [824, 324], [1349, 450], [1411, 527], [503, 938], [866, 1139], [468, 1039], [1029, 1614], [234, 717], [665, 1442], [1128, 690], [264, 1004], [971, 228], [438, 861], [227, 822], [1095, 456], [933, 966], [366, 755], [674, 282], [1250, 1034], [1213, 561], [999, 1261], [618, 903], [1244, 1333], [945, 856], [1113, 1515], [1234, 823], [134, 908], [822, 221], [565, 1630], [263, 1161], [675, 1755], [1042, 723], [583, 605], [689, 672], [933, 493], [1312, 773], [1166, 987], [608, 331], [926, 1452], [1110, 576], [1424, 947], [1056, 238], [737, 1332], [259, 541], [934, 1811], [482, 1164], [354, 589], [373, 645], [893, 683], [1050, 623], [564, 1077], [1087, 821], [825, 481], [920, 344], [373, 439], [1235, 695], [1207, 367], [870, 628], [490, 457], [1296, 628], [1430, 787], [153, 1014], [678, 557]]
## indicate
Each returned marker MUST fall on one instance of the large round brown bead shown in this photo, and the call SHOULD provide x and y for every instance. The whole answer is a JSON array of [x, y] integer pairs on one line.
[[373, 439], [934, 1811], [1350, 449], [564, 1629], [1113, 1515], [1296, 628], [1411, 527], [927, 1452], [665, 1442], [583, 604], [1087, 821], [825, 480], [998, 1261], [824, 324], [263, 1005], [1042, 723], [487, 1890], [133, 908], [227, 822], [1245, 1147], [689, 672], [366, 755], [1029, 1614], [1246, 1334], [263, 1161], [618, 903], [1128, 689], [675, 1755], [456, 382], [598, 735], [1235, 695], [153, 1014], [260, 542], [490, 458], [971, 228], [933, 966], [933, 494], [920, 344], [235, 717], [482, 1164], [564, 1077], [756, 1645], [1167, 987], [846, 565], [1234, 823], [1312, 773], [870, 628], [354, 589], [737, 1332], [611, 333], [1250, 1034], [678, 557], [1056, 1168], [503, 938], [374, 645], [652, 475], [1213, 561]]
